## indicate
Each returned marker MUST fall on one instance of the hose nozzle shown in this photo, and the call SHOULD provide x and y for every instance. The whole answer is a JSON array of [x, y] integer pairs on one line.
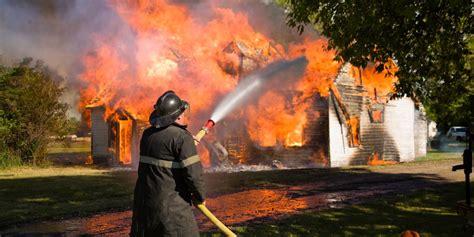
[[204, 130], [209, 124]]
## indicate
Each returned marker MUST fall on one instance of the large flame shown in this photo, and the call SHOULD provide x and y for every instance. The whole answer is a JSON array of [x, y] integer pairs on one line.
[[202, 59], [279, 120], [271, 122], [124, 136], [199, 60]]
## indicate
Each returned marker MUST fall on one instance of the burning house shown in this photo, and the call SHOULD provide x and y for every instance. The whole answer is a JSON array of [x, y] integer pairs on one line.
[[371, 128], [347, 127], [332, 115], [115, 138]]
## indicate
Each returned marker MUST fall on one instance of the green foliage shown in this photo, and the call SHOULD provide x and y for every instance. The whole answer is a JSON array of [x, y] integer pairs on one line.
[[428, 40], [30, 110], [9, 159], [72, 125]]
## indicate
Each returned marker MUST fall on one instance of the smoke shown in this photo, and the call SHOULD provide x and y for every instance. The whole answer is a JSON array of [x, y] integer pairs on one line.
[[446, 144], [58, 32], [265, 16], [269, 19]]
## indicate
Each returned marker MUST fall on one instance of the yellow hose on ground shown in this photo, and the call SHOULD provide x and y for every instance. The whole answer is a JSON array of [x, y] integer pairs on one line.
[[201, 206], [216, 221]]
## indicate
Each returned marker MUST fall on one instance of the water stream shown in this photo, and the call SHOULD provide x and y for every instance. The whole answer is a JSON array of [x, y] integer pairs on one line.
[[251, 85]]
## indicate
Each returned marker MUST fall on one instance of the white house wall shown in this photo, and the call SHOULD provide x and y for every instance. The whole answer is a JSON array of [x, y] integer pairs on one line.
[[339, 151], [100, 132], [421, 133], [394, 139], [400, 125]]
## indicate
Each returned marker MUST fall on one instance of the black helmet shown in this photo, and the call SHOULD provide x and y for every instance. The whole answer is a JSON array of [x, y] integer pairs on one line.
[[167, 109]]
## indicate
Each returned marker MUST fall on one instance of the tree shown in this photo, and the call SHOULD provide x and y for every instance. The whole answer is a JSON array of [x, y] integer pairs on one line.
[[30, 110], [427, 39]]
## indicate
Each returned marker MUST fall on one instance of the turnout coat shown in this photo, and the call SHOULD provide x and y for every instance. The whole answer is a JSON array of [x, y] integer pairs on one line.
[[169, 178]]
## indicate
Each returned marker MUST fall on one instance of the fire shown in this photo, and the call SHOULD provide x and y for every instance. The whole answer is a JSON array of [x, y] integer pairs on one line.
[[295, 138], [377, 115], [279, 118], [374, 159], [124, 136], [172, 49], [354, 123], [272, 123], [321, 70], [378, 86], [202, 59], [101, 76]]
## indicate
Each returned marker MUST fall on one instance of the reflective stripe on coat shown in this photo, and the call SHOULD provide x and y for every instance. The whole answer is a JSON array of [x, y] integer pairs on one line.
[[169, 178]]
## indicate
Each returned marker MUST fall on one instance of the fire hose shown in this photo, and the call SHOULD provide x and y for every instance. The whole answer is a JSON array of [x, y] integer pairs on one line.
[[204, 130]]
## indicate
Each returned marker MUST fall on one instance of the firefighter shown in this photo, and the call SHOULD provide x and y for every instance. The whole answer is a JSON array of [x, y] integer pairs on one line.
[[169, 174]]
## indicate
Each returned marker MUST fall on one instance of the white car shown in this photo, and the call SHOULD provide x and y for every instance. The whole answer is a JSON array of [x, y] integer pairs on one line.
[[457, 132]]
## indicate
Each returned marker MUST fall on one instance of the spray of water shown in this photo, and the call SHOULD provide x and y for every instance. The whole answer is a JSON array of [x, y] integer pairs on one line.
[[252, 84]]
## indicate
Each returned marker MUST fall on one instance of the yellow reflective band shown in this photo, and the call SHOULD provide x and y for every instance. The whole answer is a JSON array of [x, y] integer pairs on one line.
[[170, 164], [190, 160]]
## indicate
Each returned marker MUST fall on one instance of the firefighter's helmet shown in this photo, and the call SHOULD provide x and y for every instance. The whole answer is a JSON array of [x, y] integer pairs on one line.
[[168, 108]]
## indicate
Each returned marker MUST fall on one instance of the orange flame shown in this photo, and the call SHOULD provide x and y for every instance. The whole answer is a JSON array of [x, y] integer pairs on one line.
[[354, 123], [321, 70], [201, 60], [277, 119], [125, 146], [378, 86], [374, 159], [270, 123], [174, 50]]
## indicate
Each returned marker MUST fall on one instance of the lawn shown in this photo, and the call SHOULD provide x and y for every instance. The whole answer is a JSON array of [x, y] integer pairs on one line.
[[71, 147], [439, 155], [30, 194], [429, 212]]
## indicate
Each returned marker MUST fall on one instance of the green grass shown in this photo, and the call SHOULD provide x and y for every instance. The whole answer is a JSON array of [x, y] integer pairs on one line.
[[440, 155], [429, 212], [33, 193], [73, 147], [28, 194]]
